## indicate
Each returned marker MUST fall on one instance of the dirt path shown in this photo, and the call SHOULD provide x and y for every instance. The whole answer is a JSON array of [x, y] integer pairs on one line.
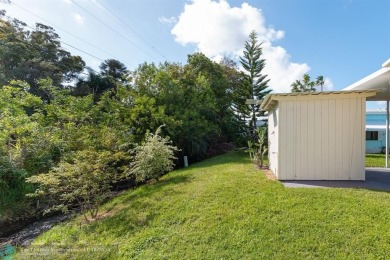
[[25, 236]]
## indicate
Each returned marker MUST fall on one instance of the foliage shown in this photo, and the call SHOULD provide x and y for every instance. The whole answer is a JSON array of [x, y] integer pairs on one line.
[[38, 137], [195, 100], [306, 85], [112, 74], [19, 128], [83, 181], [244, 215], [13, 204], [30, 55], [153, 157], [51, 117], [253, 85], [94, 84], [320, 82], [257, 151], [114, 69]]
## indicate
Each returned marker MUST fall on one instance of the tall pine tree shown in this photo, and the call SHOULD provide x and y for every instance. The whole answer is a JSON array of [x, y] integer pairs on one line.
[[254, 84]]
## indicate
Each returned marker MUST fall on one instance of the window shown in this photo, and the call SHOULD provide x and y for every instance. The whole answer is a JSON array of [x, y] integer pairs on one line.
[[371, 135]]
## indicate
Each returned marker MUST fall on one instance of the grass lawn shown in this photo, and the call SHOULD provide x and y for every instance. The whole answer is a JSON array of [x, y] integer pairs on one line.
[[224, 208], [375, 160]]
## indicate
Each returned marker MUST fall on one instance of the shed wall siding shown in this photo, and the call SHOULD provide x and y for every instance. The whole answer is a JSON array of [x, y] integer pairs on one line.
[[273, 134], [321, 138]]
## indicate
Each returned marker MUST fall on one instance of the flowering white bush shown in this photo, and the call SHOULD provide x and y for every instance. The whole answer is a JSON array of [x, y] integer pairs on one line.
[[153, 157]]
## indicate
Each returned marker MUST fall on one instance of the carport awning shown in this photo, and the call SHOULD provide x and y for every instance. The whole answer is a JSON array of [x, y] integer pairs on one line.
[[379, 80]]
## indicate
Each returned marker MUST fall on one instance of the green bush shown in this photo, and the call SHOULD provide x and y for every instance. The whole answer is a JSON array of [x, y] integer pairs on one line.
[[257, 151], [153, 157], [83, 182]]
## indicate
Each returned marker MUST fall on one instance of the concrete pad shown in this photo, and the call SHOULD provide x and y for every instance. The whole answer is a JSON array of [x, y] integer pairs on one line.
[[376, 179]]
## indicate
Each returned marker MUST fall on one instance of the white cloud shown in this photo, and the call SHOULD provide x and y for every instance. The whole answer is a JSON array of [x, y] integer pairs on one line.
[[218, 29], [67, 1], [328, 84], [78, 18], [167, 20]]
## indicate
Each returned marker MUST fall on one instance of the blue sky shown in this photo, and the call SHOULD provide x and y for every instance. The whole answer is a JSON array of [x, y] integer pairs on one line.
[[343, 40]]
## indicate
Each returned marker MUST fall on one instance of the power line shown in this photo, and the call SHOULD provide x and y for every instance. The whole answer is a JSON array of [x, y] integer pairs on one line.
[[128, 27], [43, 19], [87, 53], [41, 48], [81, 51], [112, 29]]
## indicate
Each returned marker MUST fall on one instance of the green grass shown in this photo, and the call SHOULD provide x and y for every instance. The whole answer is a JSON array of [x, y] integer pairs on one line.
[[224, 208], [375, 160]]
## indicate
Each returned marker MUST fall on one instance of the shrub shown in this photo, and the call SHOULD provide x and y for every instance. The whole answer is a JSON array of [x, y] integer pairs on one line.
[[258, 150], [83, 182], [153, 157]]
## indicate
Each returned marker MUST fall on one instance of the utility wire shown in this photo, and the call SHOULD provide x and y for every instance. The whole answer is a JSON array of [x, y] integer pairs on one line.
[[40, 48], [67, 44], [128, 27], [47, 21], [112, 29], [87, 53]]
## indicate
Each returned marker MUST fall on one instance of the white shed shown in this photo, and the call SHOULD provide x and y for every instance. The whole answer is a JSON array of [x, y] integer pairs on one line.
[[317, 135]]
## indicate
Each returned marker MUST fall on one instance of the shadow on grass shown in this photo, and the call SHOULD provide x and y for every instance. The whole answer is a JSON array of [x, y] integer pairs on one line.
[[233, 157], [149, 189], [136, 207]]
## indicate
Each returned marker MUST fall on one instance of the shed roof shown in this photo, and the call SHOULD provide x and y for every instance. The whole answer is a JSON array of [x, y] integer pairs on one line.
[[271, 100]]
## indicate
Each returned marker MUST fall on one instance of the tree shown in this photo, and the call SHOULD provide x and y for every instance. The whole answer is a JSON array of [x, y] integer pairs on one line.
[[188, 99], [306, 85], [233, 126], [94, 84], [254, 84], [33, 55], [221, 78], [320, 82], [114, 69]]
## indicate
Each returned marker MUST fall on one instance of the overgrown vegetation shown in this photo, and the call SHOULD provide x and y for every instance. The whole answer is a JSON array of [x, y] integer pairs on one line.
[[83, 181], [67, 132], [225, 208]]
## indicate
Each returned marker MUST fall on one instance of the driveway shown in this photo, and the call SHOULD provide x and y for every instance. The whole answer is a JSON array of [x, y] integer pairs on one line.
[[376, 179]]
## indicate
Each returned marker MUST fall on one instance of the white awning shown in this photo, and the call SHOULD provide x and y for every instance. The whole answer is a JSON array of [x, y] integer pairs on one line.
[[375, 127], [379, 80]]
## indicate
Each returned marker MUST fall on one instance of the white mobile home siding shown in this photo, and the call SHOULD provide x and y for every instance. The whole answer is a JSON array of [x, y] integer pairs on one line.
[[318, 137]]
